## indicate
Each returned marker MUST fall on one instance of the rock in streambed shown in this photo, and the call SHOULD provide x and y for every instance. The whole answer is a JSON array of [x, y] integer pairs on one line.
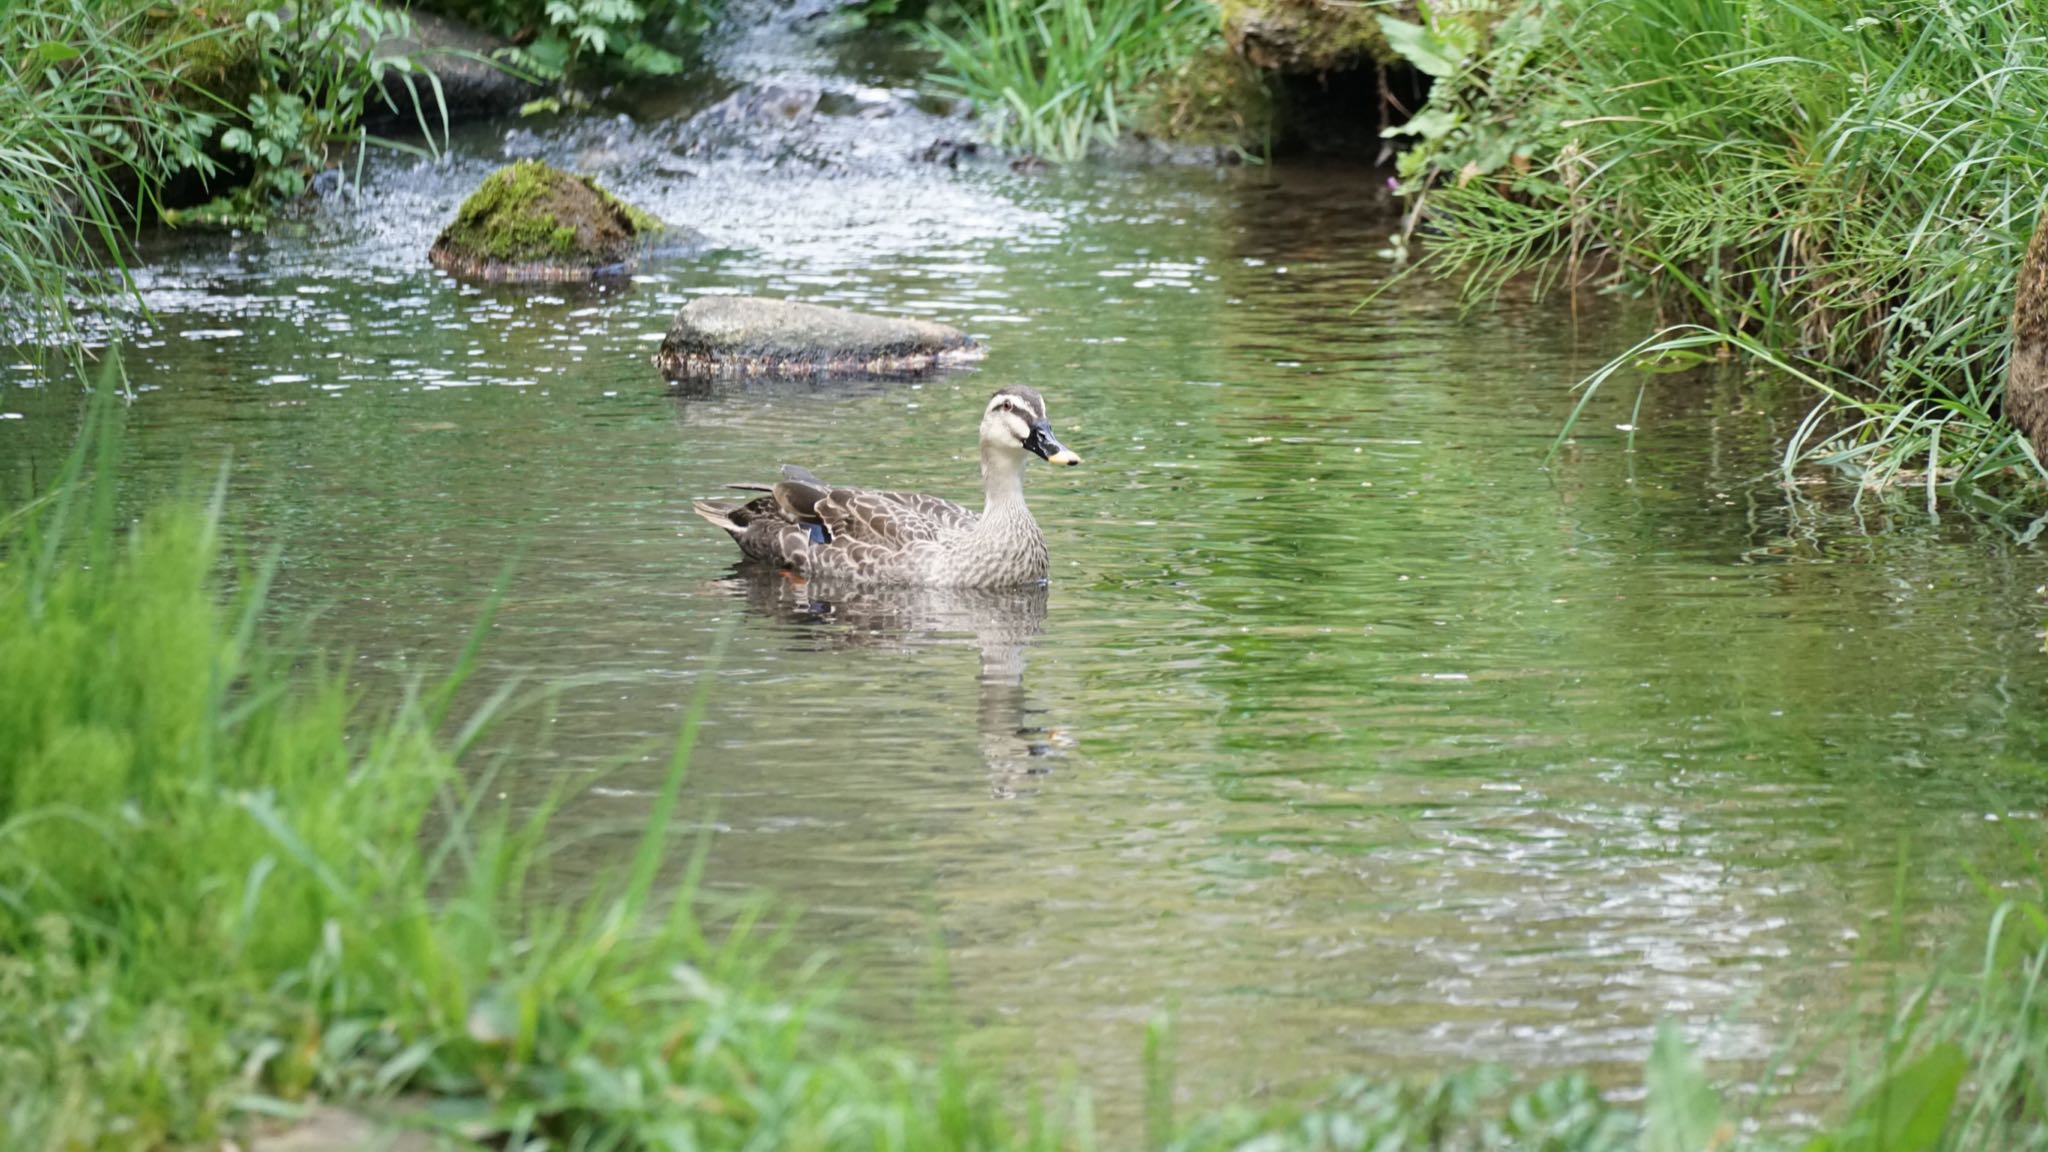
[[529, 221], [750, 336], [472, 84]]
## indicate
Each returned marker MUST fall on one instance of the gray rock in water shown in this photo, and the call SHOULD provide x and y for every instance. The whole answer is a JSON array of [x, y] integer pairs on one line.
[[749, 336]]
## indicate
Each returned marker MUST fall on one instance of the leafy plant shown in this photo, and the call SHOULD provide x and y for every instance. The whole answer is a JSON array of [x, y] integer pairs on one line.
[[572, 41], [318, 68], [1441, 44], [1484, 114]]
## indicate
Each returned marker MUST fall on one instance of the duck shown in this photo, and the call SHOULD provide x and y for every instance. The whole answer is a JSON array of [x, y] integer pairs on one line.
[[866, 536]]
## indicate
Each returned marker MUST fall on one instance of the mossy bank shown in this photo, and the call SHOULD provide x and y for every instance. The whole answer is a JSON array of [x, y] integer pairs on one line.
[[1305, 37]]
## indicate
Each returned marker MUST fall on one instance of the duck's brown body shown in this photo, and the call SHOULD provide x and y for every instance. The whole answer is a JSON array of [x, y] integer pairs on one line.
[[866, 536]]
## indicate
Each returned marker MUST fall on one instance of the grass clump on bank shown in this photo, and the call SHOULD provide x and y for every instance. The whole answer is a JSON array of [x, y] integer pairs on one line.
[[1058, 78], [105, 104], [84, 132], [1844, 189]]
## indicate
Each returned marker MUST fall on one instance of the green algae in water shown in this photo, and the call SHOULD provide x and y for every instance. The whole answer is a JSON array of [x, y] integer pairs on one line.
[[532, 221]]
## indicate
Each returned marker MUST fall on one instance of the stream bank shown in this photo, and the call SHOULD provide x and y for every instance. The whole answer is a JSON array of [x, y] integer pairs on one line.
[[1788, 187]]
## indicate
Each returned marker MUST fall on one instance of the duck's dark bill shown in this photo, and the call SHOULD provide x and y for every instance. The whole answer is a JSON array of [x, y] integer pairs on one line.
[[1052, 450]]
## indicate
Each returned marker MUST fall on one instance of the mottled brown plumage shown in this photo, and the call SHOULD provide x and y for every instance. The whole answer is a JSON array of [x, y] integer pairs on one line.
[[867, 536]]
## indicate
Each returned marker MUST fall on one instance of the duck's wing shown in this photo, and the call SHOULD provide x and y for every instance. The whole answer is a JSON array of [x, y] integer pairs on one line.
[[800, 513], [945, 513], [762, 529], [860, 516]]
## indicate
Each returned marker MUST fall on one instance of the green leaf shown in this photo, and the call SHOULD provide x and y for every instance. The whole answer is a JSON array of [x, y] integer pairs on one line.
[[1682, 1112], [1421, 47], [1671, 360], [648, 60], [1428, 124], [549, 53], [1907, 1111]]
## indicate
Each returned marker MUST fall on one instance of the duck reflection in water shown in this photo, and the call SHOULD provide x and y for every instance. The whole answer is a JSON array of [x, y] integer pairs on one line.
[[1000, 623]]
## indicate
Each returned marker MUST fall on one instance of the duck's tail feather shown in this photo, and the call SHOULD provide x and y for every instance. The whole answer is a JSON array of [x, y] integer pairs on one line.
[[719, 512]]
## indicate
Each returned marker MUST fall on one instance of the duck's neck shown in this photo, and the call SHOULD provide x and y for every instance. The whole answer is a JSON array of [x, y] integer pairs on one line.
[[1002, 484]]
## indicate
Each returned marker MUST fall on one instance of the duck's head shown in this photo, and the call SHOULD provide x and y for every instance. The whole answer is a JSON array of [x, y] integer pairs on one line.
[[1015, 422]]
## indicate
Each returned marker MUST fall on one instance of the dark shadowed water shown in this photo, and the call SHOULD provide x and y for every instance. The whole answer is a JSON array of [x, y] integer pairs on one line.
[[1346, 731]]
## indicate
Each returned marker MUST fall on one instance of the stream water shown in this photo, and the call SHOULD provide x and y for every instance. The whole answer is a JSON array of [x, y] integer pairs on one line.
[[1347, 731]]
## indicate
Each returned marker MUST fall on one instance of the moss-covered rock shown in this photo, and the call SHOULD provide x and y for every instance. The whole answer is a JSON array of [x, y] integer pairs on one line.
[[1307, 36], [529, 221]]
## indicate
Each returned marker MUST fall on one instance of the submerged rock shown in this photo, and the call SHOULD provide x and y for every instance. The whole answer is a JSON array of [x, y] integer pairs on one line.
[[749, 336], [2026, 379], [757, 108], [1298, 37], [529, 221]]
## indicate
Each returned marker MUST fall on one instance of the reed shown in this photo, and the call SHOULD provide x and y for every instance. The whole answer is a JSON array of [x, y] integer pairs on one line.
[[90, 129], [1056, 78]]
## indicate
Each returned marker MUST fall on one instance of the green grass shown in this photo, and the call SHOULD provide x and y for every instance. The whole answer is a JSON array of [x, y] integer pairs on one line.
[[229, 886], [103, 103], [1843, 188], [1056, 78]]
